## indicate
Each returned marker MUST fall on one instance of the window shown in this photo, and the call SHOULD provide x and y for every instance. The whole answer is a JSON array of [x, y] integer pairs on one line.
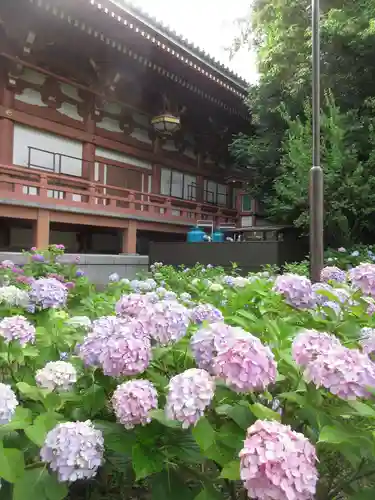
[[177, 184], [215, 193]]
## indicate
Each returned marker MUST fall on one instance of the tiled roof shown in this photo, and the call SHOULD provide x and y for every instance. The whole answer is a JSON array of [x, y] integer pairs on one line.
[[182, 42]]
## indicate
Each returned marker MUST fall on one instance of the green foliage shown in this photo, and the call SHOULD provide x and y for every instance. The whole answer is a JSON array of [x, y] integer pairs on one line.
[[280, 150]]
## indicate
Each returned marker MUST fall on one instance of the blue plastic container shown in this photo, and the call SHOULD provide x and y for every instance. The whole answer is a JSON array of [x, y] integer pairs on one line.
[[196, 235], [218, 236]]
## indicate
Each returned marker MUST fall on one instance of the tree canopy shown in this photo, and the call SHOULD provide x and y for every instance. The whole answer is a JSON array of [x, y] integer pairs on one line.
[[279, 155]]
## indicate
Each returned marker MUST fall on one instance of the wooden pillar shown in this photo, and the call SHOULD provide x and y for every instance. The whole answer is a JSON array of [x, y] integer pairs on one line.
[[6, 127], [129, 238], [41, 231], [88, 151]]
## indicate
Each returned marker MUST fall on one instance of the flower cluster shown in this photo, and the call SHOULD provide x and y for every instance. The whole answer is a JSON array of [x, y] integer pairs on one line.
[[132, 305], [118, 346], [48, 292], [245, 364], [8, 403], [132, 401], [189, 395], [56, 375], [206, 312], [208, 340], [309, 344], [363, 278], [297, 290], [17, 328], [167, 322], [332, 273], [79, 322], [13, 296], [278, 463], [74, 450]]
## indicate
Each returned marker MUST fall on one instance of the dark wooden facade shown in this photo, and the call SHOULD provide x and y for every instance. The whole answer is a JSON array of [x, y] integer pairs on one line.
[[79, 84]]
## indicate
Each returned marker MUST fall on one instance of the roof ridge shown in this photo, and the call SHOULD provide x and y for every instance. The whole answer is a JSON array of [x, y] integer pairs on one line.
[[158, 25]]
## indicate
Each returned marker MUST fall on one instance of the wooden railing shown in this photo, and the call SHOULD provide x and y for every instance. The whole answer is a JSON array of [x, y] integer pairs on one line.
[[50, 189]]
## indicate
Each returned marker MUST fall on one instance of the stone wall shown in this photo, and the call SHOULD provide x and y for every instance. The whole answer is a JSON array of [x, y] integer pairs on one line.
[[96, 267]]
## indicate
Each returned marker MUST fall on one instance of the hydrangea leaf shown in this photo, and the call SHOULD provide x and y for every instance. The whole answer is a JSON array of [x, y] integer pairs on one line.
[[12, 464], [231, 471], [204, 433]]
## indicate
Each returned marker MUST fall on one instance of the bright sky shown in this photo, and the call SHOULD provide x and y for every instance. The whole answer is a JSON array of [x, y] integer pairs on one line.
[[210, 24]]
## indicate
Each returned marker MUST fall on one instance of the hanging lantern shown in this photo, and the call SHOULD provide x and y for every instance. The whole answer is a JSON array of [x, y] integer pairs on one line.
[[166, 124]]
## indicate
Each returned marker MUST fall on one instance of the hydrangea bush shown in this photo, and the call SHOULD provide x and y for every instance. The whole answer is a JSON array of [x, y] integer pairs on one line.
[[198, 384]]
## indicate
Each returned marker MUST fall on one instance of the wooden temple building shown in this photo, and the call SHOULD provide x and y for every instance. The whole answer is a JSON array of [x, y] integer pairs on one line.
[[113, 129]]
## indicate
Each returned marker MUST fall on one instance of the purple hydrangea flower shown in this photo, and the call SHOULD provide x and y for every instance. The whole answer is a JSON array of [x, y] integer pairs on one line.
[[80, 273], [190, 392], [8, 403], [347, 373], [278, 463], [319, 290], [367, 341], [245, 364], [332, 273], [74, 450], [48, 293], [208, 340], [167, 322], [37, 257], [132, 402], [114, 278], [17, 328], [363, 277], [206, 312], [309, 344], [118, 346], [58, 375], [7, 264], [297, 290]]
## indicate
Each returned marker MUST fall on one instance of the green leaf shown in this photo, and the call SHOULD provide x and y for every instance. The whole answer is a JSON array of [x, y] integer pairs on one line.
[[94, 399], [116, 437], [209, 493], [42, 425], [30, 391], [12, 464], [54, 490], [168, 484], [22, 418], [38, 484], [333, 435], [220, 453], [362, 409], [264, 413], [204, 434], [146, 462], [159, 415], [241, 414], [368, 494], [52, 401], [231, 471]]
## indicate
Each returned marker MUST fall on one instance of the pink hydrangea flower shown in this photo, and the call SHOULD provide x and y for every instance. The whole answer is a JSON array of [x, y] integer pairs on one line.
[[132, 402], [167, 321], [309, 344], [278, 463], [190, 392], [347, 373], [367, 341], [208, 340], [17, 328], [132, 305], [297, 290], [206, 312], [245, 364]]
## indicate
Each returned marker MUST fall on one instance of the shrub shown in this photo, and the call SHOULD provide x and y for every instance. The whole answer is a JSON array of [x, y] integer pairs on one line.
[[195, 384]]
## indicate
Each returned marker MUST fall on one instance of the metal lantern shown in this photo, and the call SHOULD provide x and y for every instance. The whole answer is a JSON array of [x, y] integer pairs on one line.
[[166, 124]]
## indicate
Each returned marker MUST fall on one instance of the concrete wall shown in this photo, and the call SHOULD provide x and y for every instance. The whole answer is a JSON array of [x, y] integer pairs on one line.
[[96, 267]]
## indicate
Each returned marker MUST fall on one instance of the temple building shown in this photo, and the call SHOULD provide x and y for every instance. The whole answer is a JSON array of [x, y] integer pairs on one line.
[[114, 131]]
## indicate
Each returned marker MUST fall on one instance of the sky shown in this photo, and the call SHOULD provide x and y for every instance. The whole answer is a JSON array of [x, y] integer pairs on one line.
[[210, 24]]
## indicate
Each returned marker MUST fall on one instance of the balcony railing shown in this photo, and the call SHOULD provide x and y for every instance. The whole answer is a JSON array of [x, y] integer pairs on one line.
[[58, 190]]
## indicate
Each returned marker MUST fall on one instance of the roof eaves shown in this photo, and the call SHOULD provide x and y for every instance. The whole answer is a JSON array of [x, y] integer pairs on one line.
[[181, 42]]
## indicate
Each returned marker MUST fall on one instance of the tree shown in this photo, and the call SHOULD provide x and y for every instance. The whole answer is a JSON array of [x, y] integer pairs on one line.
[[279, 31]]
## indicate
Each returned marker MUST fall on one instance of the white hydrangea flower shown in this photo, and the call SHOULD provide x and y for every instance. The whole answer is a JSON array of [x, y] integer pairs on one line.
[[13, 296], [57, 375], [8, 403], [79, 322]]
